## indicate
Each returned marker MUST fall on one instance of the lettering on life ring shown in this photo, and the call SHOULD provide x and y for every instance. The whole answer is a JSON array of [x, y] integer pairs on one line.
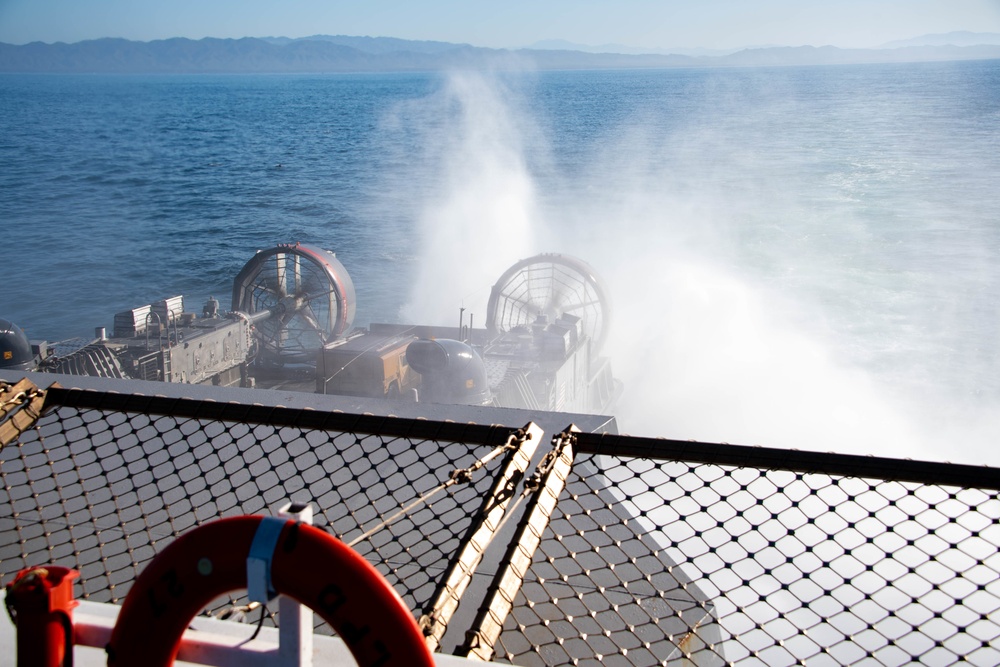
[[307, 564]]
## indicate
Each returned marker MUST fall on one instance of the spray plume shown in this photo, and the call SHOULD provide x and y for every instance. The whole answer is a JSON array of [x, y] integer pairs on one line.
[[710, 346]]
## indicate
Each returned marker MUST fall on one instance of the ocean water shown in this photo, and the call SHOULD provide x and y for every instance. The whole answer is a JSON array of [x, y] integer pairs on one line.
[[798, 257]]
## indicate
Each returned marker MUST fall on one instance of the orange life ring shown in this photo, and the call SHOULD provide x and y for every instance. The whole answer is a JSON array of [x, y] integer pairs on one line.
[[307, 564]]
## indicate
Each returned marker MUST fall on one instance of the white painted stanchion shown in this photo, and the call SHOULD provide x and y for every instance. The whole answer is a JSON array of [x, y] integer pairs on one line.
[[295, 631]]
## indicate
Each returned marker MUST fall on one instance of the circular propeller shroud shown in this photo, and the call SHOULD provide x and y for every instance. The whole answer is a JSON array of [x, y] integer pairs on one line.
[[550, 285], [307, 290]]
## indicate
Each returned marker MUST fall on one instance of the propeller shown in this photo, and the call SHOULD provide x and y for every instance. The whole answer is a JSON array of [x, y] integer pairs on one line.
[[550, 285], [309, 291]]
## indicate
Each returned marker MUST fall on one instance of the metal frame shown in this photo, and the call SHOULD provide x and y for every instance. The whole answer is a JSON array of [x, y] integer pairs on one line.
[[544, 486], [20, 406], [491, 517]]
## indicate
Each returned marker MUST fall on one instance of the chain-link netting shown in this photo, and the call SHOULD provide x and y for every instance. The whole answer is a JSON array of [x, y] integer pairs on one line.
[[655, 552], [650, 562], [102, 491]]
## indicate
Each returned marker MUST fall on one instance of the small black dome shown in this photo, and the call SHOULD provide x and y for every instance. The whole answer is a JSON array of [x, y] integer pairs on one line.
[[15, 350]]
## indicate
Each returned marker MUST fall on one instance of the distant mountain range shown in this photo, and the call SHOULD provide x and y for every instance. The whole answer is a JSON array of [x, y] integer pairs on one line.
[[340, 53]]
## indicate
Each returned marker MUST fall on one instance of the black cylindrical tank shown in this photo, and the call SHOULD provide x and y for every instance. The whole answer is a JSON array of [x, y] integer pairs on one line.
[[450, 370], [15, 350]]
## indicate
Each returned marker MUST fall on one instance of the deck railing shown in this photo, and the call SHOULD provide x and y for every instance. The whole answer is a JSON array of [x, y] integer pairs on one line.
[[558, 549]]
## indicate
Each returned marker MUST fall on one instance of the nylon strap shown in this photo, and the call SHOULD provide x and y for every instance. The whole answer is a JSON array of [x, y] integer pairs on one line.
[[259, 587]]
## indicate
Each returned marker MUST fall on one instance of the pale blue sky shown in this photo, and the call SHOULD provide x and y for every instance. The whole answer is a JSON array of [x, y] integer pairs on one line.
[[512, 23]]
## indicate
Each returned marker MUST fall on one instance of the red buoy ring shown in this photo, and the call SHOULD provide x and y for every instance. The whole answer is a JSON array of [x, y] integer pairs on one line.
[[307, 564]]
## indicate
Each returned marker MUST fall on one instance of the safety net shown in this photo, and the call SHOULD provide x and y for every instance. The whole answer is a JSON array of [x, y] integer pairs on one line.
[[513, 545]]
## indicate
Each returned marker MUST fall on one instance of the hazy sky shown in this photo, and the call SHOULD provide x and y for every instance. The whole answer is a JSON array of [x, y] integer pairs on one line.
[[513, 23]]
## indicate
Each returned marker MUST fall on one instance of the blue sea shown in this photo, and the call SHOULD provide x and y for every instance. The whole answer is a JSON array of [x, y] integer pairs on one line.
[[798, 257]]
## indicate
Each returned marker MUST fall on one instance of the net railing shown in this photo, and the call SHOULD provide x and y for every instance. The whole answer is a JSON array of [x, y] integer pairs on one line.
[[720, 559], [605, 549], [102, 482]]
